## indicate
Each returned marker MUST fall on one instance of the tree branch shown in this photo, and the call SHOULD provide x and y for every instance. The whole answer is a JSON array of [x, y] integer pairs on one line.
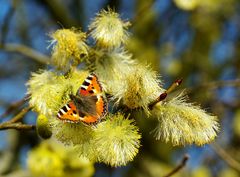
[[226, 157], [18, 173], [20, 115], [15, 124], [60, 12], [162, 96], [27, 51], [6, 23], [141, 12], [14, 105], [180, 166], [216, 84]]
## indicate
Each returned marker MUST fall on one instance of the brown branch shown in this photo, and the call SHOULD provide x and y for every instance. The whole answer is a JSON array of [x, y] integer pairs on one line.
[[14, 106], [27, 51], [18, 173], [61, 13], [16, 126], [226, 157], [140, 13], [216, 84], [6, 23], [14, 122], [232, 104], [20, 115], [162, 96], [180, 166], [174, 85]]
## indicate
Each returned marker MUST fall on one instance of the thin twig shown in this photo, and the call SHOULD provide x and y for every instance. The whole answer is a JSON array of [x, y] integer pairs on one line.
[[233, 104], [226, 157], [18, 173], [14, 106], [180, 166], [27, 51], [216, 84], [16, 126], [20, 115], [162, 96], [14, 122], [140, 13], [6, 23], [61, 13], [174, 85]]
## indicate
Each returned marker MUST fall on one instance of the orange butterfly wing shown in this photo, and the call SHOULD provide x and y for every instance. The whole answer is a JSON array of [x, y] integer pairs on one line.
[[69, 113], [90, 86]]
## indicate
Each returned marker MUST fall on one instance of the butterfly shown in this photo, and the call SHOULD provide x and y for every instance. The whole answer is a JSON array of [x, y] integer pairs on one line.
[[87, 106]]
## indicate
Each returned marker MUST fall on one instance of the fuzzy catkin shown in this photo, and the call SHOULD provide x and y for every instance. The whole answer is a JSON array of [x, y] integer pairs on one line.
[[142, 88], [117, 140], [114, 141], [46, 92], [69, 48], [71, 134], [52, 159], [112, 69], [109, 30], [183, 123]]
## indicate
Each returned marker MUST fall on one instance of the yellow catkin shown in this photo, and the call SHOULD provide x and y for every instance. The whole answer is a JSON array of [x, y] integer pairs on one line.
[[117, 140], [183, 123], [69, 133], [142, 87], [52, 159], [112, 69], [46, 92], [108, 29], [69, 48]]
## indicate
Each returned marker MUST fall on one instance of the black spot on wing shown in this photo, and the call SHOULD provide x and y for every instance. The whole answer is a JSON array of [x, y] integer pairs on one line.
[[91, 91], [83, 88], [90, 77], [85, 83], [60, 112], [65, 108]]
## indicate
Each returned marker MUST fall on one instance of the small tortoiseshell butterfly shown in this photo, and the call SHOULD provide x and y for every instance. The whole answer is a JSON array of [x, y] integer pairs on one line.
[[87, 106]]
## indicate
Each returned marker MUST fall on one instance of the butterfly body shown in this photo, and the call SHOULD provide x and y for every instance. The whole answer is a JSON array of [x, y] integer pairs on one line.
[[87, 106]]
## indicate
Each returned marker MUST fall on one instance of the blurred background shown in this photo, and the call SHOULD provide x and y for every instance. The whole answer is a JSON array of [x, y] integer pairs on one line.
[[197, 40]]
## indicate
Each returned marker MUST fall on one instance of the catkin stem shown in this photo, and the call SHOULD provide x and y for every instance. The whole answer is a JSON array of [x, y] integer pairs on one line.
[[164, 94]]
